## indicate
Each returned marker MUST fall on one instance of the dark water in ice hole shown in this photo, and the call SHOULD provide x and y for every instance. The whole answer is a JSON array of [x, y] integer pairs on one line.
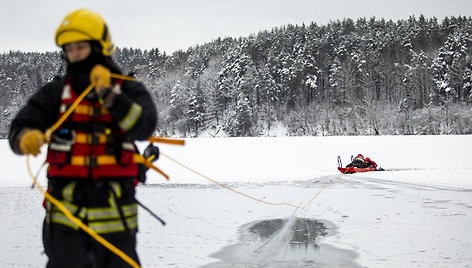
[[292, 242], [304, 231]]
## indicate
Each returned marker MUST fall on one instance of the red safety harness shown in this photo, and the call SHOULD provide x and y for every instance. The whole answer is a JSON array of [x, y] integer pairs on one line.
[[90, 144]]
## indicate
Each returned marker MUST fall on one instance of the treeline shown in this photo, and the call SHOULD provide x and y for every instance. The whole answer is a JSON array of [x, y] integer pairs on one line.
[[363, 77]]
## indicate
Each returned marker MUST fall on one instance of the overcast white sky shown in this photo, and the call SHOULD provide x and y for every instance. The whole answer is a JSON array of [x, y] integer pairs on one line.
[[29, 25]]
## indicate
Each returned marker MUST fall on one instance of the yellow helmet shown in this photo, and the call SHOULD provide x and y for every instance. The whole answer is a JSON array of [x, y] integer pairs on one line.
[[85, 25]]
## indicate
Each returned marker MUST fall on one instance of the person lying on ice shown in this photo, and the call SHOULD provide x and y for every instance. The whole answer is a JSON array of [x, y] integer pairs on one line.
[[361, 162], [92, 155]]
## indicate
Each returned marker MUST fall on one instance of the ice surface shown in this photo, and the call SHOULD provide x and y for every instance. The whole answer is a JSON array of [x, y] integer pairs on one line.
[[417, 213]]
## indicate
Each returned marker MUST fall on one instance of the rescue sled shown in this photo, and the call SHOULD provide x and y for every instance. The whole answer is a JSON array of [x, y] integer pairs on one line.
[[351, 170]]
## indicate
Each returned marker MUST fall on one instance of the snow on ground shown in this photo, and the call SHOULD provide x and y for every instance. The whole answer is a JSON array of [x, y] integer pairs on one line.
[[417, 213]]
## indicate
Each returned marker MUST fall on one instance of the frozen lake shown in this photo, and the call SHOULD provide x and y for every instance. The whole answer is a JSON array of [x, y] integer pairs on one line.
[[418, 213]]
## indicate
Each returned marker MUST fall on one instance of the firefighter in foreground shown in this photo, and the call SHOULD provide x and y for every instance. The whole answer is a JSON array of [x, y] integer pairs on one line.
[[92, 157]]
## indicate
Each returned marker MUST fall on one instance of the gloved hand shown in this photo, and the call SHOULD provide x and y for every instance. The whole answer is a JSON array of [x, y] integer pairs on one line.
[[151, 153], [31, 141], [101, 77]]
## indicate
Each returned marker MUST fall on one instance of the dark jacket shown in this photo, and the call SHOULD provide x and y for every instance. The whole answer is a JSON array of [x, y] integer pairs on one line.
[[42, 110], [89, 199]]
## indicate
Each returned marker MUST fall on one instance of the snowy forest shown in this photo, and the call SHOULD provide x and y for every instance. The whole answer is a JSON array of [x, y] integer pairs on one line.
[[363, 77]]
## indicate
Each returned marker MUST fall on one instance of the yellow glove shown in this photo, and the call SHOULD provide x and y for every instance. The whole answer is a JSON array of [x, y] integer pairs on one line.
[[101, 76], [31, 141]]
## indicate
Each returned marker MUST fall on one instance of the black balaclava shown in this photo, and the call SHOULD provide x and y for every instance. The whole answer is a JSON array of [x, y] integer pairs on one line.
[[79, 72]]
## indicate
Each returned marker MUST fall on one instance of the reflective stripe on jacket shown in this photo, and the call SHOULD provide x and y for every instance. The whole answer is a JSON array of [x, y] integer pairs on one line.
[[103, 217]]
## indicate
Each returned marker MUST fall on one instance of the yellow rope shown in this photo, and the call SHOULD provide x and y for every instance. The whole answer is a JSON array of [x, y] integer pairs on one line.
[[78, 222], [49, 197], [124, 77], [166, 140], [329, 184], [61, 120], [90, 231], [57, 203], [243, 194]]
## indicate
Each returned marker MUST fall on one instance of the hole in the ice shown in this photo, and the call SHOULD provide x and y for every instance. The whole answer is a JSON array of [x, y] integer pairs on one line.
[[291, 242], [300, 232]]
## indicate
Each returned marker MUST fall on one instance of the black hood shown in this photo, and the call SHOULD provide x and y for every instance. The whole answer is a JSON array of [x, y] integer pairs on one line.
[[79, 72]]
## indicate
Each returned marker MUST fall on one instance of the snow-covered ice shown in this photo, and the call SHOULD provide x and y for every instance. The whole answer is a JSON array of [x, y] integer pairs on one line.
[[417, 213]]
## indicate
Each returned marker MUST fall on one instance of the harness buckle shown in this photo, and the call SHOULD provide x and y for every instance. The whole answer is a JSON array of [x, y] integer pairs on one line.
[[62, 140], [95, 139], [91, 161], [97, 111]]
